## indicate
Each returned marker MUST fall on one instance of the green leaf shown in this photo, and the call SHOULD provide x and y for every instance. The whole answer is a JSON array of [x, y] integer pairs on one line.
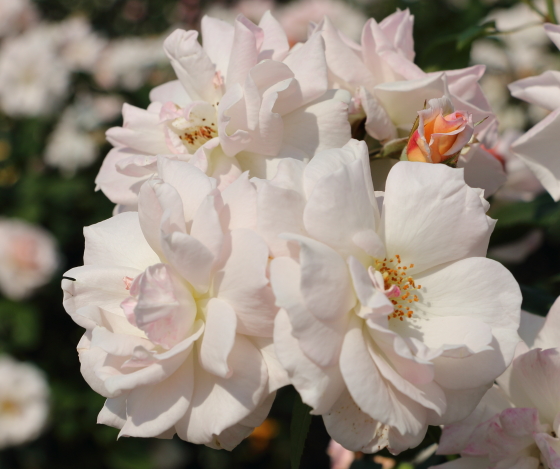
[[299, 427], [466, 38]]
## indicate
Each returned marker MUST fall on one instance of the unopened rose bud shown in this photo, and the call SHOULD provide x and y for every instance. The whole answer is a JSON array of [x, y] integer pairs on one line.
[[441, 134]]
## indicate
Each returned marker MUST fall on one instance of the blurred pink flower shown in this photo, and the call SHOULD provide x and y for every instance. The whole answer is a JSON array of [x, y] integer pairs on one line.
[[28, 258]]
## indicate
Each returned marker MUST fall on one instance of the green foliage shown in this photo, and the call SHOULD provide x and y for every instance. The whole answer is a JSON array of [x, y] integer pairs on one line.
[[301, 420]]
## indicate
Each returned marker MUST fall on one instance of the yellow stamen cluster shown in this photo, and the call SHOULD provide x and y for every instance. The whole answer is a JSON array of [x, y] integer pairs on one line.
[[395, 274]]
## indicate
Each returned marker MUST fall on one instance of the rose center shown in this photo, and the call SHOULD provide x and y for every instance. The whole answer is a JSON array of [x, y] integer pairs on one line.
[[398, 285], [199, 127], [9, 407]]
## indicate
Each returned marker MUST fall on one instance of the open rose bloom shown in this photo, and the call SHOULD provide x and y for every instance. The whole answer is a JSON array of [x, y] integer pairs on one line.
[[517, 423], [243, 101], [250, 250], [391, 320], [178, 312]]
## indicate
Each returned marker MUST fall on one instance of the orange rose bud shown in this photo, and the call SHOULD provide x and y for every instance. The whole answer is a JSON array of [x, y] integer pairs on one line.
[[441, 134]]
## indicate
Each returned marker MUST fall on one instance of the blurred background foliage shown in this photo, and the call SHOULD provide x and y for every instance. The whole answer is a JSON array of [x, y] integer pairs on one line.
[[38, 329]]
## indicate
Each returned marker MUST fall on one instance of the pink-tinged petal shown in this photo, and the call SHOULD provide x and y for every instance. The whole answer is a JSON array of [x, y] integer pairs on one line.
[[309, 66], [231, 119], [535, 382], [141, 131], [327, 162], [277, 375], [275, 44], [96, 285], [325, 284], [370, 242], [543, 90], [113, 412], [319, 387], [207, 226], [217, 38], [217, 403], [162, 367], [397, 27], [243, 284], [247, 40], [118, 241], [192, 259], [550, 447], [435, 230], [280, 209], [549, 335], [152, 410], [403, 99], [365, 291], [240, 204], [530, 326], [161, 306], [191, 184], [232, 436], [342, 60], [369, 389], [224, 169], [455, 436], [378, 123], [326, 215], [191, 64], [171, 91], [537, 149], [383, 59], [483, 170], [218, 339], [119, 188], [319, 341], [352, 428], [321, 125], [154, 196], [553, 32]]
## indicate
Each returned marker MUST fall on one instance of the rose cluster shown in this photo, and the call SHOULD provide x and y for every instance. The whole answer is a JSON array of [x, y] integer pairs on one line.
[[249, 248]]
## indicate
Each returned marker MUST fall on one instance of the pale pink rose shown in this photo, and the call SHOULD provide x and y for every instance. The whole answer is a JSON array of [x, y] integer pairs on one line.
[[243, 101], [24, 402], [341, 458], [516, 425], [389, 90], [537, 147], [442, 133], [28, 258], [17, 15], [178, 311], [382, 362]]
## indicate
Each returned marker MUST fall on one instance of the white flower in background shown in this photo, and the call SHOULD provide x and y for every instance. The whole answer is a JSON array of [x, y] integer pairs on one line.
[[341, 458], [537, 147], [16, 15], [33, 78], [517, 423], [28, 258], [390, 321], [78, 45], [128, 62], [243, 101], [296, 16], [179, 312], [73, 144], [24, 402], [69, 147]]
